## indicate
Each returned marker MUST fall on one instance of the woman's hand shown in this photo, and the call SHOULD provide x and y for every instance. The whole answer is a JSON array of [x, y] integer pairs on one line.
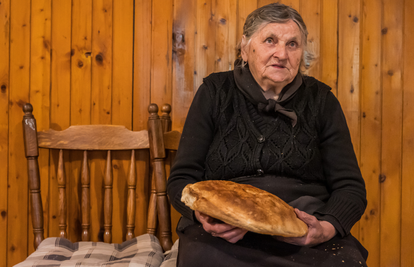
[[219, 229], [319, 231]]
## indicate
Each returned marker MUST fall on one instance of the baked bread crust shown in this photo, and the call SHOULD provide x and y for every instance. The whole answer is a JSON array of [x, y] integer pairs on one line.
[[244, 206]]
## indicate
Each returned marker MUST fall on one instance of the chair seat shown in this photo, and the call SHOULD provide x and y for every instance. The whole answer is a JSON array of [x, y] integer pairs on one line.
[[144, 250]]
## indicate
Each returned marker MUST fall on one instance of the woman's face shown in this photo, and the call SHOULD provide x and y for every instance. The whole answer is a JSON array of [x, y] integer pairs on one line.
[[274, 54]]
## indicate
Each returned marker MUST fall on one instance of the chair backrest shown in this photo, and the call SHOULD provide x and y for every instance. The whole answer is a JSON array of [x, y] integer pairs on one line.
[[86, 138], [163, 144]]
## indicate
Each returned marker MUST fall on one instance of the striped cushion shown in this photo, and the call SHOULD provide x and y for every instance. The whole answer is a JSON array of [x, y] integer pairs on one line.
[[143, 250]]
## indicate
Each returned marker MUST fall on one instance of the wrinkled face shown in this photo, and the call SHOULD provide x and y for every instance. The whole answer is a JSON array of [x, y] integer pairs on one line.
[[274, 54]]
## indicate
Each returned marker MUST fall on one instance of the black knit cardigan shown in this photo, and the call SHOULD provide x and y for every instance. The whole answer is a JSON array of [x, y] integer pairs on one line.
[[312, 165]]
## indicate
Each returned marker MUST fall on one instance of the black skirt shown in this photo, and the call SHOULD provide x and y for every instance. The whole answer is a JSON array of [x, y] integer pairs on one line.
[[197, 248]]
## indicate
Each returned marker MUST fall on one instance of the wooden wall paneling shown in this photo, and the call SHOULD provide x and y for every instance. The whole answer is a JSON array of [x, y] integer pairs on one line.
[[407, 219], [40, 91], [161, 66], [122, 98], [80, 102], [183, 67], [19, 94], [222, 10], [261, 3], [60, 96], [141, 96], [370, 133], [183, 61], [348, 76], [292, 3], [101, 62], [101, 104], [311, 14], [244, 9], [205, 45], [392, 55], [4, 125], [232, 24], [329, 44]]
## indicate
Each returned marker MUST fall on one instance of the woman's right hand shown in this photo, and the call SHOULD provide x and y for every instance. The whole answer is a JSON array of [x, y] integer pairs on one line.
[[220, 229]]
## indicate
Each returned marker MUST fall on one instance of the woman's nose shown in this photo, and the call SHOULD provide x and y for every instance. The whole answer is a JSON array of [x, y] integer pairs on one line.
[[280, 52]]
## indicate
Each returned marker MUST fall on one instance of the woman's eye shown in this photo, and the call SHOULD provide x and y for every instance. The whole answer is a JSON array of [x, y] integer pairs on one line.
[[269, 40], [292, 44]]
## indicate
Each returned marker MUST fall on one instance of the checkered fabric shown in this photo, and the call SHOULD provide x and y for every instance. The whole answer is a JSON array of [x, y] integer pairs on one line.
[[170, 257], [144, 250]]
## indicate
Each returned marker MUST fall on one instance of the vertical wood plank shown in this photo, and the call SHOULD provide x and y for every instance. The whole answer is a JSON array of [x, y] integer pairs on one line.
[[371, 126], [261, 3], [4, 124], [162, 23], [19, 94], [122, 99], [222, 11], [142, 62], [60, 96], [292, 3], [123, 41], [81, 62], [329, 44], [142, 91], [311, 10], [407, 220], [183, 69], [245, 8], [40, 91], [391, 132], [101, 62], [205, 45], [232, 24], [348, 75], [80, 101], [183, 60]]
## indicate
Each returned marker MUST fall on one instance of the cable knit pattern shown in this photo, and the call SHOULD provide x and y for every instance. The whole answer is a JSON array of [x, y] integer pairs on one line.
[[251, 142]]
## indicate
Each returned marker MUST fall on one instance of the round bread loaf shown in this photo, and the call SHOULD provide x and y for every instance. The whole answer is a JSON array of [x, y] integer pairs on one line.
[[244, 206]]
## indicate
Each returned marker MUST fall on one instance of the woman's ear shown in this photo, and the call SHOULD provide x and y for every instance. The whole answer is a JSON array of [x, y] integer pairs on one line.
[[244, 48]]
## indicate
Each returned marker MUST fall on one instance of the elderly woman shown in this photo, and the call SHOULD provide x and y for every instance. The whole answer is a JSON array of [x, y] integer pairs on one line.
[[267, 125]]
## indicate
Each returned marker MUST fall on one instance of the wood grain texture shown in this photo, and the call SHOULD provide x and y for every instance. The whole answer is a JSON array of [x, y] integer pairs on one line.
[[60, 97], [391, 68], [407, 184], [81, 65], [19, 94], [40, 84], [349, 76], [183, 64], [162, 25], [311, 14], [329, 44], [371, 127], [85, 137], [205, 45], [4, 124], [101, 109]]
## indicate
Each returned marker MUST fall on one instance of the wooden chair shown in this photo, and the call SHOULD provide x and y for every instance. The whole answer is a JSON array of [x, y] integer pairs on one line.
[[163, 144], [106, 138]]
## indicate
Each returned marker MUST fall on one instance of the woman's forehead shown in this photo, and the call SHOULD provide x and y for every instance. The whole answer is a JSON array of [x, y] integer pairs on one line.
[[287, 30]]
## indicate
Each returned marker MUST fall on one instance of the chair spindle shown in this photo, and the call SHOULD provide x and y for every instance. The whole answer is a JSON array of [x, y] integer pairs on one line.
[[61, 180], [132, 184], [108, 199], [85, 180]]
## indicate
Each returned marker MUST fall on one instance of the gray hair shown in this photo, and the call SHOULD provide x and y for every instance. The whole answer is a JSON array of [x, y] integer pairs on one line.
[[276, 13]]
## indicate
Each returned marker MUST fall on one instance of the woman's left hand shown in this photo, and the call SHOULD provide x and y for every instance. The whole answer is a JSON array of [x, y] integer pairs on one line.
[[319, 231]]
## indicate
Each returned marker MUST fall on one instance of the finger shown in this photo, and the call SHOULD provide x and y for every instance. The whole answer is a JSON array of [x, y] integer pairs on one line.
[[306, 218], [221, 228], [233, 236]]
